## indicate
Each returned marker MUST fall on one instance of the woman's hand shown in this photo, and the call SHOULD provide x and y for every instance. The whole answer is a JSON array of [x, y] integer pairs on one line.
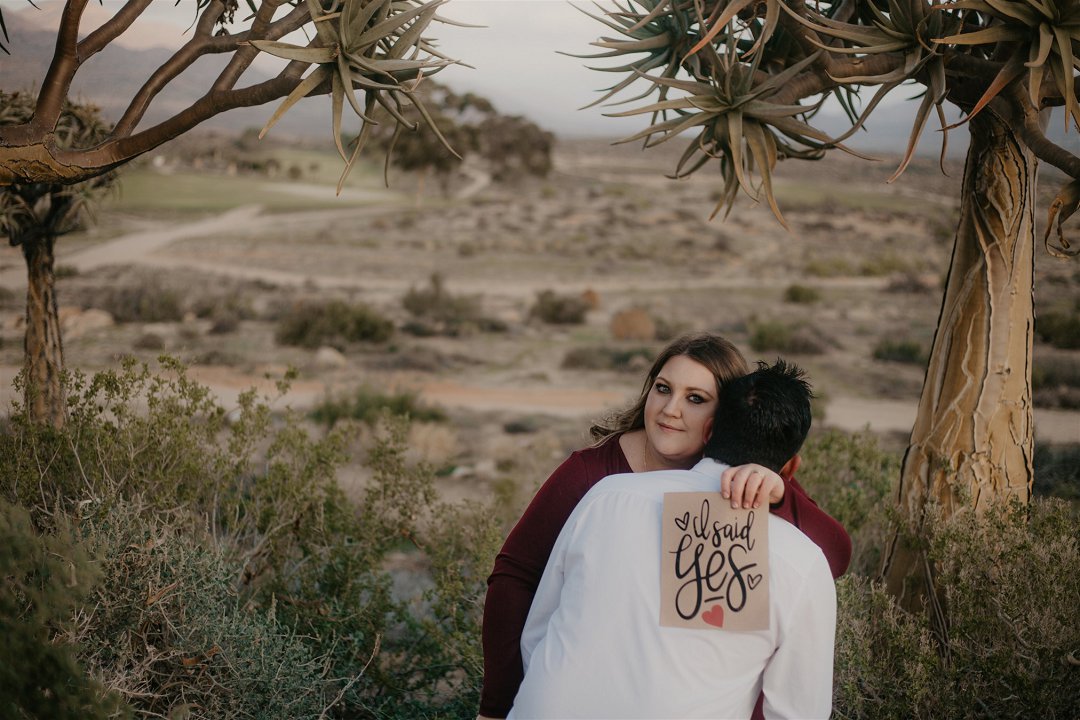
[[751, 486]]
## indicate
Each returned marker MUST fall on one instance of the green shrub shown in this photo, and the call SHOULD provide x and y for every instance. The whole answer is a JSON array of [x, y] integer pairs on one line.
[[669, 329], [368, 405], [908, 283], [146, 301], [45, 578], [334, 323], [768, 335], [149, 341], [1057, 471], [524, 425], [559, 309], [225, 323], [171, 631], [852, 479], [886, 264], [238, 578], [1055, 382], [908, 352], [437, 301], [1060, 329], [1055, 371], [1009, 579], [829, 267], [886, 666], [802, 294], [775, 336], [605, 358], [438, 312], [234, 304]]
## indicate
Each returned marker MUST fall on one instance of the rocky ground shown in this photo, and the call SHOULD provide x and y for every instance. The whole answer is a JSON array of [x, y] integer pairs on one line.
[[606, 226]]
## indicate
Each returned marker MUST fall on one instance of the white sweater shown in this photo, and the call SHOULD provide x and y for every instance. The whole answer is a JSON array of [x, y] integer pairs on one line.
[[593, 646]]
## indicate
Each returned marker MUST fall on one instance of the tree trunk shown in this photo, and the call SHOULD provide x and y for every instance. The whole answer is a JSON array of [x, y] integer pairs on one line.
[[972, 440], [44, 394]]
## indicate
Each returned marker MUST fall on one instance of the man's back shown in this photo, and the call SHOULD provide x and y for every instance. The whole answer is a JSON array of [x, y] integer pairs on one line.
[[593, 646]]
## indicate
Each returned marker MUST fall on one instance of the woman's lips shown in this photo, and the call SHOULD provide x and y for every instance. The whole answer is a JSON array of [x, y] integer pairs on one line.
[[662, 426]]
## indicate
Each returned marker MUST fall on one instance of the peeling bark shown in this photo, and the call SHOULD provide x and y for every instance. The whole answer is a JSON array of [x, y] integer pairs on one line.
[[972, 442], [44, 393]]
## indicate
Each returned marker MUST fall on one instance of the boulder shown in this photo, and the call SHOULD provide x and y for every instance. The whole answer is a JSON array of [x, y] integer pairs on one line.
[[76, 323], [633, 324], [330, 358]]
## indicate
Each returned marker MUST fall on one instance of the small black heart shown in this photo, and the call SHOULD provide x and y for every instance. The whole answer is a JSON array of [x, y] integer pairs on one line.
[[683, 522], [753, 580]]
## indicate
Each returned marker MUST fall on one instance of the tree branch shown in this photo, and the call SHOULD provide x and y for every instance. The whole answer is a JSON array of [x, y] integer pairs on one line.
[[845, 12], [166, 73], [957, 63], [805, 37], [261, 28], [112, 29], [206, 107], [30, 163], [1024, 120], [970, 77], [814, 82], [65, 61]]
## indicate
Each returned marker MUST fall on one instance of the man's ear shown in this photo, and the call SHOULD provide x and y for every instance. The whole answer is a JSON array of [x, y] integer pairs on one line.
[[791, 467]]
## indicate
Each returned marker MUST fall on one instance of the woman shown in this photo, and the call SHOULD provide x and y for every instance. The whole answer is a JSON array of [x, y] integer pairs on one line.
[[666, 428]]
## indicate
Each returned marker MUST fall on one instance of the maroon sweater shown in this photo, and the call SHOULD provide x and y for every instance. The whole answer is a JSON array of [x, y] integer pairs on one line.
[[525, 553]]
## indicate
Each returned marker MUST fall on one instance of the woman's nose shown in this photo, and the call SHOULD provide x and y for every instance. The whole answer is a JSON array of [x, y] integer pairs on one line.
[[672, 407]]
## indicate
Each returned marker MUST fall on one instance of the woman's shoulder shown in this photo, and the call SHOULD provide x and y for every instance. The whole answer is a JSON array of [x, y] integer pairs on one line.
[[604, 458]]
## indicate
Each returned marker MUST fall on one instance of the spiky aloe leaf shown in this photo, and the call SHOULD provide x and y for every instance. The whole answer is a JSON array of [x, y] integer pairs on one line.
[[296, 52], [373, 46], [305, 88], [729, 13]]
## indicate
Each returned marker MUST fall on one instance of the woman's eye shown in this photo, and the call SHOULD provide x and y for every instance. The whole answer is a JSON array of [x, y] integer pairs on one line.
[[662, 388], [696, 399]]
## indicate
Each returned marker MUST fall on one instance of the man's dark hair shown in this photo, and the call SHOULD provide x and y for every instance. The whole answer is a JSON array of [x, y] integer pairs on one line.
[[762, 417]]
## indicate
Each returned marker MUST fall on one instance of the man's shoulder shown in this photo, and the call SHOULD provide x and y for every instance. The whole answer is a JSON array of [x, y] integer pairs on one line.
[[652, 485], [793, 550]]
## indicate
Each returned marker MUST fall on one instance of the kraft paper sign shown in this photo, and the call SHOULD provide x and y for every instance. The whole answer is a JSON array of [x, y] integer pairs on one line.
[[714, 572]]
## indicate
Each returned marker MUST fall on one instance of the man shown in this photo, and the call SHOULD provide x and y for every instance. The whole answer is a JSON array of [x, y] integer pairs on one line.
[[593, 645]]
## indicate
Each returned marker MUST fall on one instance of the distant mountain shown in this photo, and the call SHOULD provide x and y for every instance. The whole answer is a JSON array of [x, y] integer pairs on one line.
[[113, 76]]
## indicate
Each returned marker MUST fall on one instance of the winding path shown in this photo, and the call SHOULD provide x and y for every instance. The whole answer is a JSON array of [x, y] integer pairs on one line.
[[142, 248]]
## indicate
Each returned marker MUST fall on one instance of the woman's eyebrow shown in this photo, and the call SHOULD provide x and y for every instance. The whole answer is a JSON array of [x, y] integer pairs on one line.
[[700, 391]]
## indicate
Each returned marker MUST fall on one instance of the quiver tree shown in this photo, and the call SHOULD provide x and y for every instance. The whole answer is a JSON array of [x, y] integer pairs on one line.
[[747, 77], [425, 152], [32, 217], [511, 146], [515, 147], [376, 47], [52, 153]]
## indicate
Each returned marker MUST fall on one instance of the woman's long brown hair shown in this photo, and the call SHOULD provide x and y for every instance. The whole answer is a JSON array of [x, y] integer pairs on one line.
[[722, 359]]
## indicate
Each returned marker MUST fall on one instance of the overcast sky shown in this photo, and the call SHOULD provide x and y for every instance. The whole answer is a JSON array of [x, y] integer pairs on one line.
[[516, 62]]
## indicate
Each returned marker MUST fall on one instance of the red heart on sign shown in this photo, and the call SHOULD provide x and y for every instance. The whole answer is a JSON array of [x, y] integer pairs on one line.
[[714, 616]]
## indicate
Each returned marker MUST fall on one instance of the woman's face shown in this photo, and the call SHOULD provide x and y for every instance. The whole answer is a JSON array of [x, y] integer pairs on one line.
[[679, 413]]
